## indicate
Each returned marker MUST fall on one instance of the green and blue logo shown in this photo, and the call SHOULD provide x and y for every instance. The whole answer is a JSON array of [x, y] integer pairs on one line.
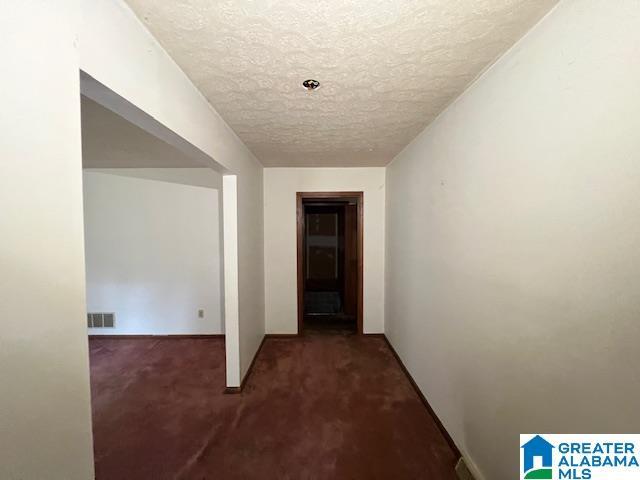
[[537, 459], [580, 456]]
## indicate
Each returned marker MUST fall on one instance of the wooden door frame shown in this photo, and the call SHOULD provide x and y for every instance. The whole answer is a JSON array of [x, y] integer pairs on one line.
[[300, 198]]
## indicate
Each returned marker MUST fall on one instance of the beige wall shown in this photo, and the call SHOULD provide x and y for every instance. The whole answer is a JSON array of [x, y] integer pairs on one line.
[[513, 241], [280, 187]]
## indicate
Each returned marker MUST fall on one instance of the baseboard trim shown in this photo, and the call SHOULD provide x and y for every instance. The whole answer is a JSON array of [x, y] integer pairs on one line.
[[243, 383], [462, 470], [472, 468], [425, 402], [282, 335], [176, 336]]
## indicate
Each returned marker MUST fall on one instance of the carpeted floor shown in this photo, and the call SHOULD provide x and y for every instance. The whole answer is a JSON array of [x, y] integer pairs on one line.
[[315, 407]]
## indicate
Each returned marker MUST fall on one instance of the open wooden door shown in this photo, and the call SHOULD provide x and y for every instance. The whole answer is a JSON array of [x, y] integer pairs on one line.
[[351, 259]]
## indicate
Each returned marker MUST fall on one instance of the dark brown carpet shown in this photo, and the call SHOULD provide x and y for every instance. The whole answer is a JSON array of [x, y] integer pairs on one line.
[[314, 407]]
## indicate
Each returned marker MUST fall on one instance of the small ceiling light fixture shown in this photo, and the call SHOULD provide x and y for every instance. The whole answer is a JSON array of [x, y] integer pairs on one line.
[[311, 84]]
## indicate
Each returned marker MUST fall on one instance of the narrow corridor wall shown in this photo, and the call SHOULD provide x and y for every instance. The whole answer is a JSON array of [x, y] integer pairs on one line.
[[513, 241]]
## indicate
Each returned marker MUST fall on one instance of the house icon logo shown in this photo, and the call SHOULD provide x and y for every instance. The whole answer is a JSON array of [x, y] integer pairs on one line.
[[537, 459]]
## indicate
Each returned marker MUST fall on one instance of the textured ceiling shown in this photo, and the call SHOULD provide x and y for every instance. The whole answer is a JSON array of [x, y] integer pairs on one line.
[[386, 67], [110, 141]]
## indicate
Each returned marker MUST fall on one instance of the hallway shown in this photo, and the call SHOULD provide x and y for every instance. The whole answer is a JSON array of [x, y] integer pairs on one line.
[[181, 181], [314, 407]]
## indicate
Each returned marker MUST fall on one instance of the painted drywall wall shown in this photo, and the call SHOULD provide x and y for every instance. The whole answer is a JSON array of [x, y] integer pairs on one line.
[[250, 238], [118, 51], [45, 416], [280, 187], [231, 305], [197, 177], [513, 246], [111, 141], [152, 254]]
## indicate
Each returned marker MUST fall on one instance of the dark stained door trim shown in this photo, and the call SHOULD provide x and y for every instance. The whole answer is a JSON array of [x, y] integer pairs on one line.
[[300, 198]]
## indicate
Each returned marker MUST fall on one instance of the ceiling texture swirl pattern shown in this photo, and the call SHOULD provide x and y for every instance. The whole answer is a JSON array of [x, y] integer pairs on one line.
[[387, 68]]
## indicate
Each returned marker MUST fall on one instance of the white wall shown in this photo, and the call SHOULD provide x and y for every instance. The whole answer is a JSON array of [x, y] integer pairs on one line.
[[513, 241], [231, 304], [280, 187], [152, 253], [197, 177], [250, 237], [45, 416], [118, 51], [45, 420]]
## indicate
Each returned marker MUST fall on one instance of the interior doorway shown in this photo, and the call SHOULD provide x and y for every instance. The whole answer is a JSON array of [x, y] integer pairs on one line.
[[330, 266]]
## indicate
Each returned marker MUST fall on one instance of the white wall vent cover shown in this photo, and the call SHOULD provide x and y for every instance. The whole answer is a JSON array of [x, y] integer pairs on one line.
[[101, 320]]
